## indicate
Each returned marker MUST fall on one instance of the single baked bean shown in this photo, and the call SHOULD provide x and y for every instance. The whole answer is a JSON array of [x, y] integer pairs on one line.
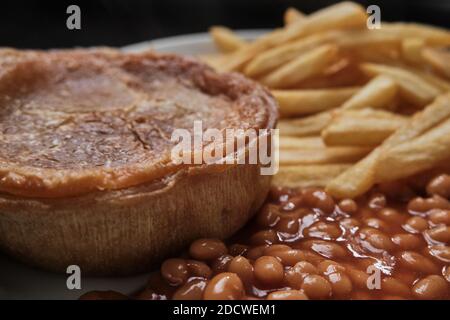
[[224, 286], [103, 295], [439, 216], [377, 201], [323, 230], [305, 267], [264, 237], [275, 247], [288, 257], [268, 216], [431, 287], [316, 287], [348, 206], [199, 269], [327, 249], [269, 270], [288, 224], [340, 283], [192, 290], [358, 277], [376, 224], [416, 262], [327, 267], [350, 224], [391, 215], [238, 249], [256, 252], [319, 199], [376, 238], [221, 263], [243, 268], [395, 287], [440, 252], [287, 295], [293, 203], [422, 205], [440, 233], [293, 279], [440, 186], [416, 224], [406, 241], [175, 271], [207, 249]]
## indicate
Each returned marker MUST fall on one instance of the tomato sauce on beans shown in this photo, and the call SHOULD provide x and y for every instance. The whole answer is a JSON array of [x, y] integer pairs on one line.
[[303, 244]]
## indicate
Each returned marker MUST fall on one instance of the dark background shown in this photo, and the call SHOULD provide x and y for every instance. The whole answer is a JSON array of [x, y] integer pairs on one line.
[[42, 24]]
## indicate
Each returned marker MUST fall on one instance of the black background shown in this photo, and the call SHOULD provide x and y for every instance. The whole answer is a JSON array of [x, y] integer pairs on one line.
[[42, 24]]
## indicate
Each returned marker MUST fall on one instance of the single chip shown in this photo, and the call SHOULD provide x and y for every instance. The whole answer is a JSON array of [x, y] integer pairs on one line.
[[304, 102], [365, 127], [299, 176]]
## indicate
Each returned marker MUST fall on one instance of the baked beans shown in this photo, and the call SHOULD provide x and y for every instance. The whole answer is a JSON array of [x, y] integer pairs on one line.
[[348, 206], [287, 295], [224, 286], [269, 270], [193, 290], [316, 287], [175, 271], [207, 249], [303, 244], [221, 263], [440, 186], [431, 287], [243, 268]]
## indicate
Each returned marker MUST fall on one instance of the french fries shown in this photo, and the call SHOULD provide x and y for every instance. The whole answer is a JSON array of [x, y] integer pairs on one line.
[[303, 102], [225, 39], [304, 127], [412, 87], [357, 40], [361, 127], [273, 58], [412, 49], [432, 35], [438, 59], [323, 156], [417, 155], [378, 93], [287, 142], [359, 107], [343, 15], [304, 176], [303, 67], [361, 177], [292, 15]]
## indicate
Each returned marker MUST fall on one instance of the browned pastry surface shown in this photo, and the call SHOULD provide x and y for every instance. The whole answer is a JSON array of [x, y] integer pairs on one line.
[[76, 121]]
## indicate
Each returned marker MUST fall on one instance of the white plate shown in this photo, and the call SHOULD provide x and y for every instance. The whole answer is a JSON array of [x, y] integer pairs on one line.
[[19, 281], [191, 44]]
